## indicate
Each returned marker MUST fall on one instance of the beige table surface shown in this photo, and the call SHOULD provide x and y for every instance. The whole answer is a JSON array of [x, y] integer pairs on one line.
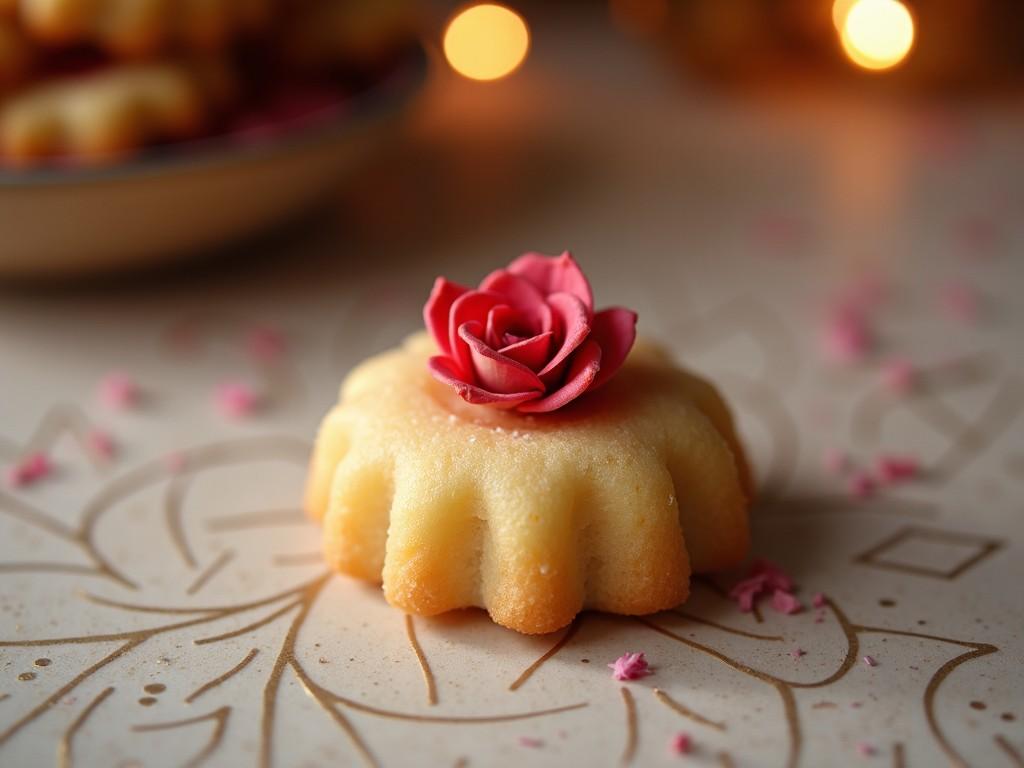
[[727, 224]]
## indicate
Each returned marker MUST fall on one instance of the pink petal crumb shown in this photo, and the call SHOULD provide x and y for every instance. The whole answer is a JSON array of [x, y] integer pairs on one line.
[[896, 469], [681, 744], [959, 300], [898, 376], [784, 602], [745, 592], [119, 391], [774, 576], [870, 661], [845, 337], [236, 400], [30, 469], [862, 486], [264, 344], [819, 600], [865, 750], [101, 444], [531, 742], [819, 617], [763, 576], [630, 666], [835, 461], [796, 653]]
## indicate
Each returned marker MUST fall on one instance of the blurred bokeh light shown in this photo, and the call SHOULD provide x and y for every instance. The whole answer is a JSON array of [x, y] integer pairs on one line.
[[876, 34], [486, 41]]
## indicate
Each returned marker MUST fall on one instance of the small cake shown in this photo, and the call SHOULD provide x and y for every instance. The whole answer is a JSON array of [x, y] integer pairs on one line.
[[523, 457]]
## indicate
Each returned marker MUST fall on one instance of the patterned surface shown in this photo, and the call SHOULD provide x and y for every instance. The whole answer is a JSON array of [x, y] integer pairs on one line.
[[173, 611]]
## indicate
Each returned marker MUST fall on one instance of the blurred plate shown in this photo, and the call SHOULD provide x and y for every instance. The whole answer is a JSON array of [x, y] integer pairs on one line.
[[178, 200]]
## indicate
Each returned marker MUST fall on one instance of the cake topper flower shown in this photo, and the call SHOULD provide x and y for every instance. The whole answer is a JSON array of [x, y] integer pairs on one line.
[[528, 338]]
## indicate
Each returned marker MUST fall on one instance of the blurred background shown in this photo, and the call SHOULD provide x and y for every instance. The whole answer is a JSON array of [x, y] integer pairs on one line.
[[138, 132]]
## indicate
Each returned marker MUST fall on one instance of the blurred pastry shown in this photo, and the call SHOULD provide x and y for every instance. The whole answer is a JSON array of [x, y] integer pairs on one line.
[[320, 34], [16, 55], [136, 27], [112, 111], [93, 80]]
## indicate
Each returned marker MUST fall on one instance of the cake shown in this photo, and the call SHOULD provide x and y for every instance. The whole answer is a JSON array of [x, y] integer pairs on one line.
[[605, 497]]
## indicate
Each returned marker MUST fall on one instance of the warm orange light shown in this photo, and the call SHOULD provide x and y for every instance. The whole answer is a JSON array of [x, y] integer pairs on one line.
[[877, 34], [644, 18], [839, 10], [486, 41]]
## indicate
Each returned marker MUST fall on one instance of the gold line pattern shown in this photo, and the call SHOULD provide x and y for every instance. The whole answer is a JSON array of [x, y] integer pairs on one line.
[[997, 417], [217, 681], [48, 703], [724, 628], [69, 568], [174, 503], [324, 699], [65, 750], [196, 460], [212, 570], [629, 750], [527, 673], [454, 719], [267, 518], [685, 711], [132, 640], [421, 659], [219, 717], [968, 439], [273, 684], [268, 619], [977, 651], [304, 596], [868, 415], [223, 609], [899, 759], [302, 558], [985, 547], [1009, 750], [62, 419], [783, 687]]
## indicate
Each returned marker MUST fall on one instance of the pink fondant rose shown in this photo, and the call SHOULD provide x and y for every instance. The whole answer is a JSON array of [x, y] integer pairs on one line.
[[528, 338]]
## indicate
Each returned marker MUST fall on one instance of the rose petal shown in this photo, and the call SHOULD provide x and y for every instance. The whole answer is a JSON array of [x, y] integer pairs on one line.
[[614, 329], [532, 352], [518, 292], [498, 321], [582, 372], [471, 307], [495, 372], [555, 274], [441, 368], [571, 317], [437, 309]]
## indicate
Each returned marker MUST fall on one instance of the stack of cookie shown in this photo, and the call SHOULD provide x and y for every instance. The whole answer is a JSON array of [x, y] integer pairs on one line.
[[88, 81]]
